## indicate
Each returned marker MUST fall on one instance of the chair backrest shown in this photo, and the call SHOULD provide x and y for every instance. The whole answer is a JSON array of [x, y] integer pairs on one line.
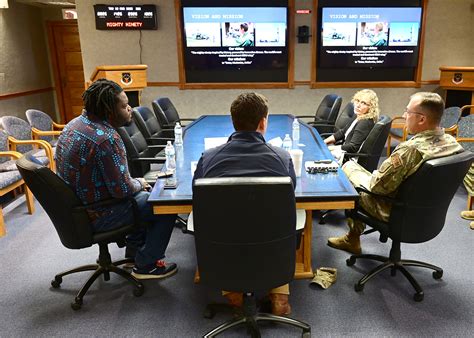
[[146, 121], [4, 145], [424, 198], [345, 116], [160, 114], [328, 108], [60, 203], [466, 132], [244, 230], [166, 108], [450, 117], [136, 147], [19, 129], [375, 143], [41, 121]]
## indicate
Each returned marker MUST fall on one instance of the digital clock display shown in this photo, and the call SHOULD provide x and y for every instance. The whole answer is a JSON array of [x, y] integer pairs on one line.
[[123, 17]]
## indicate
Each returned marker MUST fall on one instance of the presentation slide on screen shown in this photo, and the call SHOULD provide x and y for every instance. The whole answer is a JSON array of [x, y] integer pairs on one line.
[[367, 37], [226, 38]]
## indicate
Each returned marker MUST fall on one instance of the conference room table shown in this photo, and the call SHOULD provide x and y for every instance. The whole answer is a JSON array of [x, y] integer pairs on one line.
[[321, 191]]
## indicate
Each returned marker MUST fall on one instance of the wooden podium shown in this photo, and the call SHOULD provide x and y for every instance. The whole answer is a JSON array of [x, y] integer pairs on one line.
[[459, 85], [132, 78]]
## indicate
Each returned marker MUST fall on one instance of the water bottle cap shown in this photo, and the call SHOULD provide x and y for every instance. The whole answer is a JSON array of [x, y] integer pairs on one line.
[[168, 143]]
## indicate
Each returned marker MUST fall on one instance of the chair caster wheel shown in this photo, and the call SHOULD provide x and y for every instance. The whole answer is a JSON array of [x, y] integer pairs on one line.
[[209, 313], [138, 290], [437, 274], [350, 261], [418, 297], [77, 304], [56, 282], [358, 287]]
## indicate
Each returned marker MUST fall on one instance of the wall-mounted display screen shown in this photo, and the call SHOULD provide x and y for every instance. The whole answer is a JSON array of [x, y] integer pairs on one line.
[[236, 42], [123, 17], [370, 37], [368, 40]]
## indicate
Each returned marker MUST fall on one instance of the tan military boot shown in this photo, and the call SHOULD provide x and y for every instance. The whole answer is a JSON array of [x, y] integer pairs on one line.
[[350, 242], [472, 225], [280, 304], [468, 214]]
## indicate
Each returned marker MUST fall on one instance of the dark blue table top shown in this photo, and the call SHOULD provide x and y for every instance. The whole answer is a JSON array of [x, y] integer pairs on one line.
[[309, 187]]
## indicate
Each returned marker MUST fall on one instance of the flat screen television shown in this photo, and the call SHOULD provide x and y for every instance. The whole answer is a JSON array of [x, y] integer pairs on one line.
[[366, 43], [235, 41]]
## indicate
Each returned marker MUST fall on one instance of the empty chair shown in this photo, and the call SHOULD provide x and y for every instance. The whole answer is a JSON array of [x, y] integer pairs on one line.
[[20, 139], [263, 229], [10, 178], [418, 214], [345, 117], [166, 113], [73, 225], [149, 126], [140, 155], [43, 127], [327, 111]]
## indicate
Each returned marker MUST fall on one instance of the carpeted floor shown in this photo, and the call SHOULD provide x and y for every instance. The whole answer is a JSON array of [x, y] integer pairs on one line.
[[31, 254]]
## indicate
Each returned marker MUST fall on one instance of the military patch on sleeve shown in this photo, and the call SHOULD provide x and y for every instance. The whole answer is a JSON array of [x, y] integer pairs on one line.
[[396, 160]]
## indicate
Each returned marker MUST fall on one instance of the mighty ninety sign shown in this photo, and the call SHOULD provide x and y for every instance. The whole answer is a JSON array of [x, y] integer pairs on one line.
[[135, 17]]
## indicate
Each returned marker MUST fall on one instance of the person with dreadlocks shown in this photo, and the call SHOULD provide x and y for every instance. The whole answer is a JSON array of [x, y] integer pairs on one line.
[[91, 159]]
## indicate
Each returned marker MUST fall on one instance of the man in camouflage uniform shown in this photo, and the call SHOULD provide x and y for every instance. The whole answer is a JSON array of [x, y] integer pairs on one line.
[[422, 116]]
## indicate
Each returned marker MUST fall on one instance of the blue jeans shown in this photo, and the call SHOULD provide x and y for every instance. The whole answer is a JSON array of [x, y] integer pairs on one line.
[[150, 241]]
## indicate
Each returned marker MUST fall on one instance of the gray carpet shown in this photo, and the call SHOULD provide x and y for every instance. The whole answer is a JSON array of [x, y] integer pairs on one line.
[[31, 254]]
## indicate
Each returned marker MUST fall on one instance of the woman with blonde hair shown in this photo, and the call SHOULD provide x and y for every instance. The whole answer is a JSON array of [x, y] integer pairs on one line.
[[366, 108]]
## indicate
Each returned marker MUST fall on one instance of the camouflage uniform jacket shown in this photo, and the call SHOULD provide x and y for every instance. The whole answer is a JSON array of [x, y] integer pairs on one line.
[[407, 157]]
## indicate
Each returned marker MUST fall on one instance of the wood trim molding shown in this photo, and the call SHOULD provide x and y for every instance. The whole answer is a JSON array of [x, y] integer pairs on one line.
[[302, 83], [163, 84], [25, 93], [237, 85], [419, 65], [370, 84], [291, 43], [179, 43], [429, 82]]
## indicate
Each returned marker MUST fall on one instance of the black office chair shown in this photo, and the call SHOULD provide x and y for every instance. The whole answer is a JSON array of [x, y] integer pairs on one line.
[[327, 111], [166, 113], [72, 223], [418, 215], [370, 151], [345, 117], [150, 127], [140, 155], [254, 249]]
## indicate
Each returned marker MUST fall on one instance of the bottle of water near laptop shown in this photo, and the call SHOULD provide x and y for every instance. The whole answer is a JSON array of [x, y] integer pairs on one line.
[[178, 135], [170, 156], [296, 131], [287, 143]]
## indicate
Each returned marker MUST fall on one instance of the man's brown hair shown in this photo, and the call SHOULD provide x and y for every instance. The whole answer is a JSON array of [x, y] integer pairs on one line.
[[431, 104], [247, 110]]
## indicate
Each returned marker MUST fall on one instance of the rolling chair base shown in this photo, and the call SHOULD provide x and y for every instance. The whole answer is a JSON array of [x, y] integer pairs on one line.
[[104, 267], [249, 317], [400, 265]]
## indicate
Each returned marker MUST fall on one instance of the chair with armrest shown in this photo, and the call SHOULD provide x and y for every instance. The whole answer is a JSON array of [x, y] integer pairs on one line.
[[43, 127], [345, 117], [140, 155], [327, 111], [418, 214], [465, 137], [20, 139], [370, 151], [149, 126], [10, 178], [166, 113], [449, 121], [260, 219], [73, 225]]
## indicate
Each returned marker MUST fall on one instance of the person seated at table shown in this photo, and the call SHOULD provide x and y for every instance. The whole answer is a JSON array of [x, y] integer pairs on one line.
[[92, 160], [366, 108], [422, 117], [247, 154]]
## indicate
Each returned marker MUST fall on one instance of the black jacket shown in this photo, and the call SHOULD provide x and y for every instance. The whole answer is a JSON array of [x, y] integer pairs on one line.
[[357, 135]]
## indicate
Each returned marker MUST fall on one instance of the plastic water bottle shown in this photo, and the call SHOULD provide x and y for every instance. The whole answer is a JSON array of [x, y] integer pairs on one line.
[[296, 131], [287, 143], [170, 156], [178, 135]]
